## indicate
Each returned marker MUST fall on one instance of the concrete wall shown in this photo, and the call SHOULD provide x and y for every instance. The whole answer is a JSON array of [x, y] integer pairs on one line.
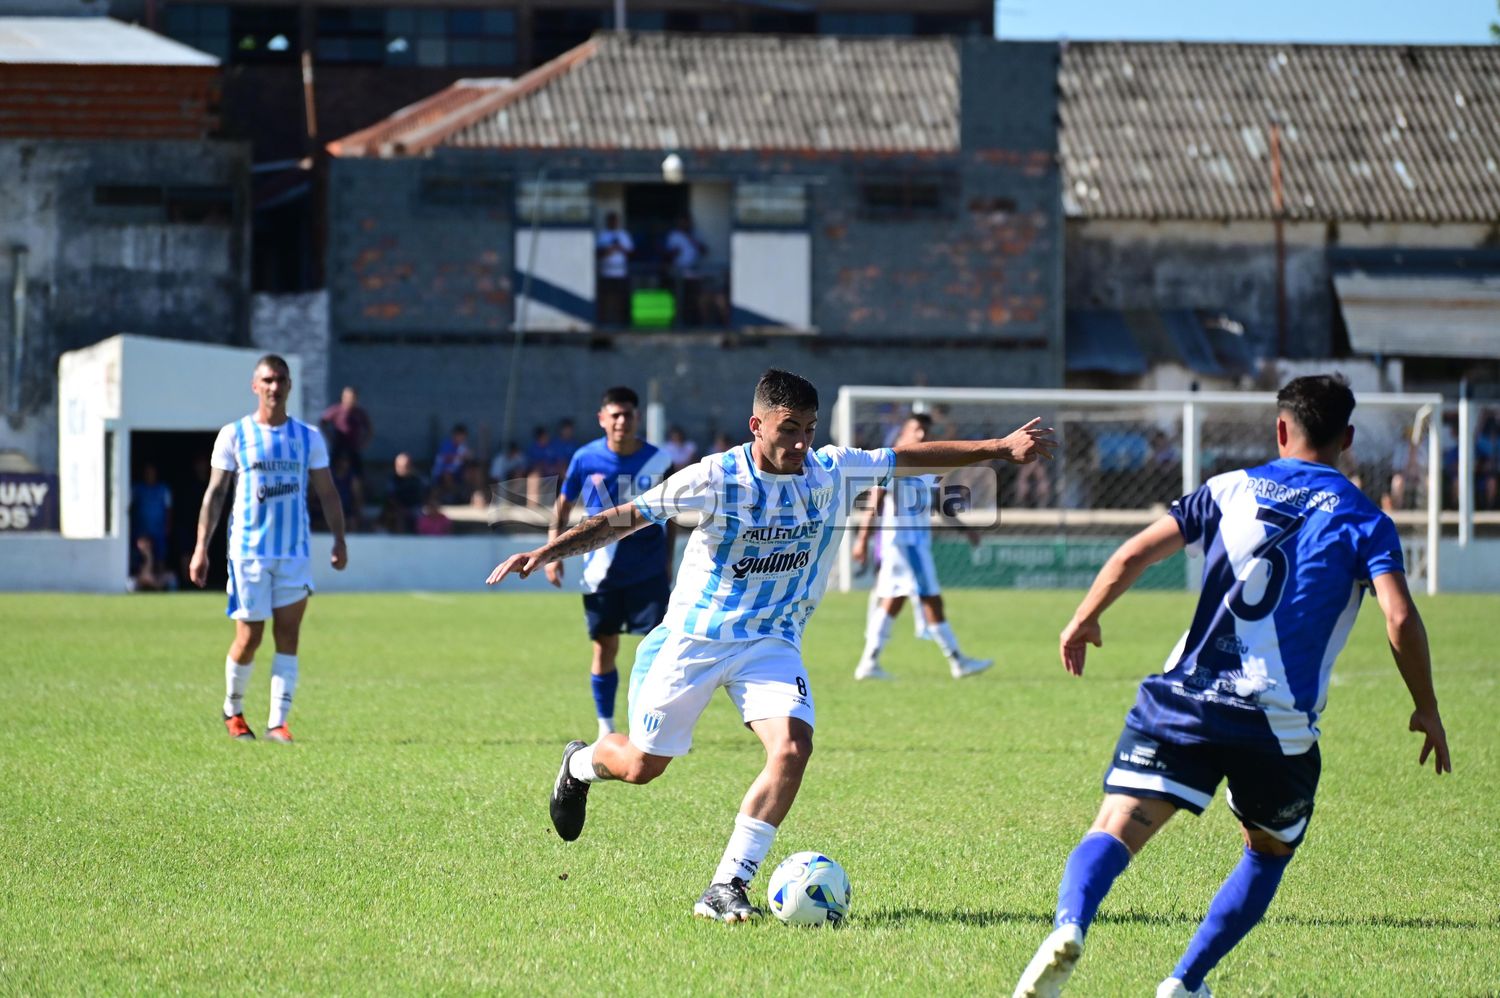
[[297, 324], [415, 392], [422, 293], [1231, 267], [97, 270]]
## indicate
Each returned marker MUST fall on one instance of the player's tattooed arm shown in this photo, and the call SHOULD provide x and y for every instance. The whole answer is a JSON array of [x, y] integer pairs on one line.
[[219, 481], [593, 533]]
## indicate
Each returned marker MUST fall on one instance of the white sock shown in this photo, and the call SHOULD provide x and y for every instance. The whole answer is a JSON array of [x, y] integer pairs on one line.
[[606, 726], [943, 635], [747, 847], [877, 633], [236, 678], [581, 764], [283, 685]]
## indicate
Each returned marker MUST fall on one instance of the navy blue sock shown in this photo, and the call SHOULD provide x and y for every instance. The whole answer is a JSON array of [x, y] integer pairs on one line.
[[1092, 868], [604, 693], [1240, 903]]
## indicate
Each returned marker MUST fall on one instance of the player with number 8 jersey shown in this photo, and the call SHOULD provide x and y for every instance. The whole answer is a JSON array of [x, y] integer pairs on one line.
[[769, 519]]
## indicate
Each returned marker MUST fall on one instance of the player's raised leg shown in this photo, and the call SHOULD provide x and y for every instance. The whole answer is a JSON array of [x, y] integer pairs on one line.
[[612, 757], [1123, 826]]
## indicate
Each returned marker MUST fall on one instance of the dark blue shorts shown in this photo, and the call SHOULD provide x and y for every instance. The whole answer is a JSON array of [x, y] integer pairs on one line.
[[1269, 791], [632, 609]]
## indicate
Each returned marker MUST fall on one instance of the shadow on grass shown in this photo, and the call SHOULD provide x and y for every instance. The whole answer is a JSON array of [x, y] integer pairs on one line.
[[984, 919]]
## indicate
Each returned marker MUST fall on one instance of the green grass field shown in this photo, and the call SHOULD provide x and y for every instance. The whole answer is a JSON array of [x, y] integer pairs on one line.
[[403, 844]]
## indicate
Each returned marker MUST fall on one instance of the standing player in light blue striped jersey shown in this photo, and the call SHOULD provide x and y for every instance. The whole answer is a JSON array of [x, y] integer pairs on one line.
[[771, 513], [269, 459], [1289, 549]]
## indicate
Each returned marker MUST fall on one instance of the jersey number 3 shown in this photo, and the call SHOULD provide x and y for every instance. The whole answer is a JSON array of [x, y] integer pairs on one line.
[[1270, 553]]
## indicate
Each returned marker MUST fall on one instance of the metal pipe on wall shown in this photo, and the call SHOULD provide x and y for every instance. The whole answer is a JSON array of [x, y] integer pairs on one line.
[[18, 257]]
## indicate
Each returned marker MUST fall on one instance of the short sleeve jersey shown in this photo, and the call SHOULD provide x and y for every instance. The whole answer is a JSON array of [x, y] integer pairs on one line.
[[601, 480], [268, 516], [1289, 549], [762, 553]]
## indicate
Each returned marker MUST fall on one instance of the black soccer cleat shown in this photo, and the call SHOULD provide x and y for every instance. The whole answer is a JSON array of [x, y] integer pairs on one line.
[[570, 797], [727, 903]]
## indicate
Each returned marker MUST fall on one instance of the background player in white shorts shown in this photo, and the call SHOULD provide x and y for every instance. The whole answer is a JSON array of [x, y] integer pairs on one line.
[[906, 566], [269, 458], [753, 571]]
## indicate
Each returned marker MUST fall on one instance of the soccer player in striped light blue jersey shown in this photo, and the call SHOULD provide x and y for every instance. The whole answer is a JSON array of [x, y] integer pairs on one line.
[[625, 584], [771, 513], [267, 459], [1289, 549]]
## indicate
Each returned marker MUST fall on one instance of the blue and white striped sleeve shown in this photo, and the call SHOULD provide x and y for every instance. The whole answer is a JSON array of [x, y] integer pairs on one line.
[[691, 490], [863, 468]]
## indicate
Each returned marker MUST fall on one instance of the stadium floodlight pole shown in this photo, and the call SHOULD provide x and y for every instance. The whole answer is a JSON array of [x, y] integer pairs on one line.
[[514, 374]]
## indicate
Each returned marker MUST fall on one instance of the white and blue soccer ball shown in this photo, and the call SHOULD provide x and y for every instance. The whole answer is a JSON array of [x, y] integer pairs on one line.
[[808, 888]]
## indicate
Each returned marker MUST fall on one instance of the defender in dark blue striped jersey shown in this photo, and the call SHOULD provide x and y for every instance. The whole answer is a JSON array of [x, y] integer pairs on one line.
[[269, 459], [1289, 549], [770, 515]]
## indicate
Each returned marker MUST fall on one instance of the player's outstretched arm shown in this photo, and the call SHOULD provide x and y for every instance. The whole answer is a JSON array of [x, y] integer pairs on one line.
[[1408, 637], [1160, 540], [1032, 442], [333, 514], [593, 533], [219, 481]]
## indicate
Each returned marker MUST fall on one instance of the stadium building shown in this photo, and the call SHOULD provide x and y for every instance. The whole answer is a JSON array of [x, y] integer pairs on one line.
[[865, 211]]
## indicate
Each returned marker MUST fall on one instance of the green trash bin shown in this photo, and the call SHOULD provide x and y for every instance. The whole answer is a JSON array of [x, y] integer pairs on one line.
[[652, 308]]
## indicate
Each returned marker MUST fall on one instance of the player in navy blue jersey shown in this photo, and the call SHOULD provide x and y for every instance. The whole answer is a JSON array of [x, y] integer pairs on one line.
[[1289, 550], [625, 584]]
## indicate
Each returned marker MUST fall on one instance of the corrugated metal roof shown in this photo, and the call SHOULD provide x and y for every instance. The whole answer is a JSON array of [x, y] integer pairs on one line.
[[719, 92], [1421, 316], [90, 41], [1160, 130], [431, 117]]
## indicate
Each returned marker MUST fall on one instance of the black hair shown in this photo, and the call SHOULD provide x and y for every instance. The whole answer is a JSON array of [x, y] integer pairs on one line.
[[460, 428], [1320, 404], [274, 361], [620, 395], [922, 418], [778, 389]]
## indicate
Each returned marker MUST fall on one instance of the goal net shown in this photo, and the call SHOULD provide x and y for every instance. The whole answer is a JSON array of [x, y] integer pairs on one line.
[[1122, 457]]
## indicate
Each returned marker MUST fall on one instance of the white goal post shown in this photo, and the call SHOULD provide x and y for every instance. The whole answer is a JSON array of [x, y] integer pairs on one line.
[[1123, 456]]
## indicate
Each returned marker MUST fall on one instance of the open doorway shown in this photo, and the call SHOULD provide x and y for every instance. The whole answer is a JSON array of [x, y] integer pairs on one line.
[[679, 277], [177, 462]]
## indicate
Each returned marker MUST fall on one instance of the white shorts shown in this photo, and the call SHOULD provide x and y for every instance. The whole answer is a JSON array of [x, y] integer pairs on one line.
[[675, 676], [907, 570], [259, 585]]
